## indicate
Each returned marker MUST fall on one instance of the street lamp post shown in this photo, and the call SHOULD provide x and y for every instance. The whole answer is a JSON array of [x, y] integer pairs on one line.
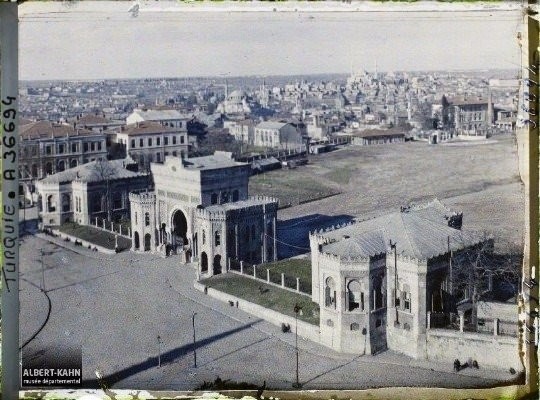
[[42, 270], [159, 351], [194, 341], [297, 309]]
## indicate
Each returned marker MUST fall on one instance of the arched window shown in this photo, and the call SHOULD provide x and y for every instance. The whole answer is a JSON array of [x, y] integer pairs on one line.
[[73, 163], [147, 219], [51, 204], [355, 296], [217, 238], [214, 198], [48, 168], [204, 262], [377, 293], [330, 293], [224, 197], [203, 237], [355, 326], [61, 165]]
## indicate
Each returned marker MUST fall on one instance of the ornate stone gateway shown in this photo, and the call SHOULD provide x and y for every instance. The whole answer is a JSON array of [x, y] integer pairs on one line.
[[200, 210]]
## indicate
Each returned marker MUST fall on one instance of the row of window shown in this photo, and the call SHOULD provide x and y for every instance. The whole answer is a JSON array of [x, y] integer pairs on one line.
[[355, 296], [150, 142], [62, 148], [225, 197]]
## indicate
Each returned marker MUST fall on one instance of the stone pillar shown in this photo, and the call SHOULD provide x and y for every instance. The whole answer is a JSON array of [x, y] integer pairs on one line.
[[120, 229], [428, 322], [129, 231], [267, 275], [461, 321], [236, 240], [282, 279], [96, 222], [275, 239], [298, 284], [496, 327], [254, 270], [228, 264], [241, 267], [103, 224], [264, 240]]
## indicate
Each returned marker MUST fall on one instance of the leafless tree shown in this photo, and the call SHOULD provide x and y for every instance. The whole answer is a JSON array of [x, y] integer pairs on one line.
[[104, 171], [476, 270]]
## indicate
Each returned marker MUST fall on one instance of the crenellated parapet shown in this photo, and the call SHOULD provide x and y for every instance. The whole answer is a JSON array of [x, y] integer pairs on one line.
[[143, 198]]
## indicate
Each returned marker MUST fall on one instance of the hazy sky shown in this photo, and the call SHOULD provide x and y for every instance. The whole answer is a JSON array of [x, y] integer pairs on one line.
[[102, 40]]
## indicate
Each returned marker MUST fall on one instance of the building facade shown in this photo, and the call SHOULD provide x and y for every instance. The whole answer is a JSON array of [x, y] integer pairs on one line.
[[279, 135], [47, 148], [148, 142], [98, 189], [469, 117], [200, 209], [378, 281]]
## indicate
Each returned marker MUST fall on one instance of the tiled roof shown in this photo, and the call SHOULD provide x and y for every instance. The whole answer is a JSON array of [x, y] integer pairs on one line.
[[217, 160], [252, 201], [378, 133], [92, 119], [421, 232], [271, 125], [48, 129], [160, 115], [461, 101], [94, 171], [147, 128]]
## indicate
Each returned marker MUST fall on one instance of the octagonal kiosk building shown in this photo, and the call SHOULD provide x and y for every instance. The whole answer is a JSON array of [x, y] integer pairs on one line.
[[201, 211]]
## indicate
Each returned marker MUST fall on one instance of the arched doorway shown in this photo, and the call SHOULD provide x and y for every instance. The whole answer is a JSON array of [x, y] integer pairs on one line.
[[217, 264], [137, 242], [204, 262], [147, 242], [179, 223]]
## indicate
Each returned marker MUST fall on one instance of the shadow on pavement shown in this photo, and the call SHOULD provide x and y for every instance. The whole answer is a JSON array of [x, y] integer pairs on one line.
[[167, 357]]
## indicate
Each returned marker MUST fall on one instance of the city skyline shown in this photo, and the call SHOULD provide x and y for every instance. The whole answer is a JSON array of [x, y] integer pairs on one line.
[[168, 44]]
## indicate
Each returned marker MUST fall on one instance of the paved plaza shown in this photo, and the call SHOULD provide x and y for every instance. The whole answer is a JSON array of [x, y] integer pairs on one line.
[[114, 307]]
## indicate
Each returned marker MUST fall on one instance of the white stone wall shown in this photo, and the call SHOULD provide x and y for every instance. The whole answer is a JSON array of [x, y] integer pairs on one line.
[[445, 345]]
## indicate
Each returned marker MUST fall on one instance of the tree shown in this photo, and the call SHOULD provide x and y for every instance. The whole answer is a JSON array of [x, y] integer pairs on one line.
[[104, 171], [478, 269]]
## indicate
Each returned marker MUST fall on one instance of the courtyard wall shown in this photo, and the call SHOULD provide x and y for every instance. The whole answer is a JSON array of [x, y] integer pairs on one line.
[[446, 345]]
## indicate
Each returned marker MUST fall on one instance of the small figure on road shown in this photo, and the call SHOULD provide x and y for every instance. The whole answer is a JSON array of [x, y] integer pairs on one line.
[[457, 365]]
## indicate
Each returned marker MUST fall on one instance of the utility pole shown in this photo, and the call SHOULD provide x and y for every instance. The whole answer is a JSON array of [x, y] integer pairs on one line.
[[394, 247], [194, 341]]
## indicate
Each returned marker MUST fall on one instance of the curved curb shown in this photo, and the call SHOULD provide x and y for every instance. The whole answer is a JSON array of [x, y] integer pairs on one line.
[[46, 319]]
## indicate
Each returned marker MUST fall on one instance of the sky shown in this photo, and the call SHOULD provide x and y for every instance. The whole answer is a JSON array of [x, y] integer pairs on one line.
[[102, 40]]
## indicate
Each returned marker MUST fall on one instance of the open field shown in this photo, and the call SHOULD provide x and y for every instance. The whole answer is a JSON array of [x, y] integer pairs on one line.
[[268, 296], [480, 179]]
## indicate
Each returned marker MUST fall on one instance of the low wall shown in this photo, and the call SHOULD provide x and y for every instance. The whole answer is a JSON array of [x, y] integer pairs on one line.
[[488, 350], [84, 243], [305, 330]]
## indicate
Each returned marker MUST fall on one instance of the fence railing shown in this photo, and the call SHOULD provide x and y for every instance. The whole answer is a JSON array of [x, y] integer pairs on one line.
[[458, 322], [267, 275], [118, 228]]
